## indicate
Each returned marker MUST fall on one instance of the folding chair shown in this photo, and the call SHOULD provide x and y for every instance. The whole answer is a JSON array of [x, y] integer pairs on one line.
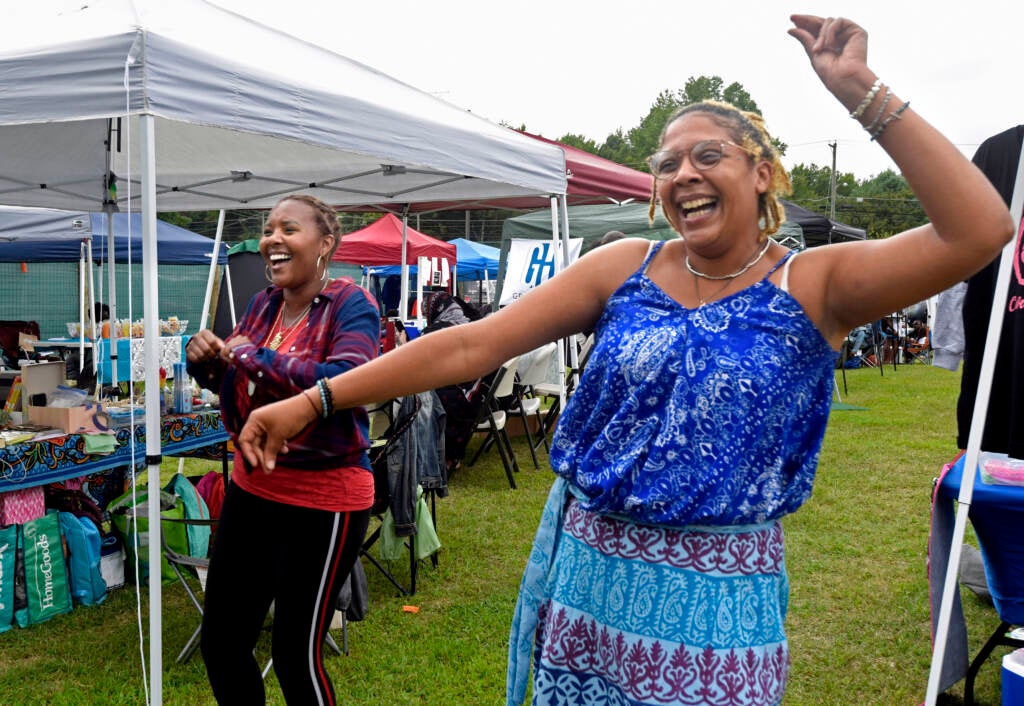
[[492, 420], [920, 351], [553, 390], [387, 427], [191, 572], [532, 370]]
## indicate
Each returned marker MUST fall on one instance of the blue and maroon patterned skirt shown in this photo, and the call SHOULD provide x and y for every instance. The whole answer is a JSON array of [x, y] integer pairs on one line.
[[641, 616]]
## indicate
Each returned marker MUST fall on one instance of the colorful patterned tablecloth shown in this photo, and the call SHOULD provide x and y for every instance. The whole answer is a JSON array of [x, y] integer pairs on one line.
[[60, 458]]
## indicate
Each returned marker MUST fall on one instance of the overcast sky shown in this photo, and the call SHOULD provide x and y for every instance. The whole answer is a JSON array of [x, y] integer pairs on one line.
[[592, 66]]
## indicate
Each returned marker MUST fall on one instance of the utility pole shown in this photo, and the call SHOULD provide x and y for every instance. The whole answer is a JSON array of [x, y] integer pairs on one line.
[[832, 185]]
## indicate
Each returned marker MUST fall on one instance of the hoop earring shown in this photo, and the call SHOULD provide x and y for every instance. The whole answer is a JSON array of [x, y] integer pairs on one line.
[[266, 273], [323, 277]]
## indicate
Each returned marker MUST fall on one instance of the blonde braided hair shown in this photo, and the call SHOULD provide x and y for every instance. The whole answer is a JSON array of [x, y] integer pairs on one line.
[[747, 129]]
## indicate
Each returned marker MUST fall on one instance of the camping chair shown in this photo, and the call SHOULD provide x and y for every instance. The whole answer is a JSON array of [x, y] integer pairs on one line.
[[391, 422], [532, 370], [191, 572], [553, 390], [492, 420], [920, 351]]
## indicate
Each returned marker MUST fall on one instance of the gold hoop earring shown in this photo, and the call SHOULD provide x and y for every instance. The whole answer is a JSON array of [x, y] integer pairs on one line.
[[266, 273], [323, 277]]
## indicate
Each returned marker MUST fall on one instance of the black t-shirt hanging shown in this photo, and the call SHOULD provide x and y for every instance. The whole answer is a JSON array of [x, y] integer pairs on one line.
[[997, 157]]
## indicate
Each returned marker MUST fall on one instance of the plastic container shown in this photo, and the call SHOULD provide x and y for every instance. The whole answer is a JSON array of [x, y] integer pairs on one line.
[[1000, 469], [182, 390], [1013, 678]]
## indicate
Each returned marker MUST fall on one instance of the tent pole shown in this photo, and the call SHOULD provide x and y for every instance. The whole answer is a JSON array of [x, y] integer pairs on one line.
[[151, 300], [108, 208], [205, 316], [988, 365], [404, 292], [573, 352], [81, 308], [231, 295], [92, 303], [558, 268]]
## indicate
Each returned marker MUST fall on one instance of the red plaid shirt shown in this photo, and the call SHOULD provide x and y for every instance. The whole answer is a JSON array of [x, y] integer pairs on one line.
[[342, 331]]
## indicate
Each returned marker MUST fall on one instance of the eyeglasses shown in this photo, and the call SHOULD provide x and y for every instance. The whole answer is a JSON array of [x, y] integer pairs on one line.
[[704, 155]]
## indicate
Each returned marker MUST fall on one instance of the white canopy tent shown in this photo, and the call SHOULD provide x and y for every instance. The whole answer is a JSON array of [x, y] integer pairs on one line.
[[186, 106]]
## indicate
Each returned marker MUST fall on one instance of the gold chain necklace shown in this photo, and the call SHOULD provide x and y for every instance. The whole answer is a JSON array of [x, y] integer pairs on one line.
[[284, 330]]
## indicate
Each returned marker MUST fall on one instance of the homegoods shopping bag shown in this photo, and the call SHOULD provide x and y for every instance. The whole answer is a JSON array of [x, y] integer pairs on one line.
[[132, 522], [46, 575]]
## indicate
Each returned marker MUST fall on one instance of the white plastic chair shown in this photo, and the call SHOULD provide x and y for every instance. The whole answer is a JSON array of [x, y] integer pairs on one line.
[[532, 371]]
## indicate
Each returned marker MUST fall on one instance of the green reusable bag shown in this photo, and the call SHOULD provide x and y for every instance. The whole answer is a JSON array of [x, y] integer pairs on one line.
[[132, 523], [46, 574], [8, 548]]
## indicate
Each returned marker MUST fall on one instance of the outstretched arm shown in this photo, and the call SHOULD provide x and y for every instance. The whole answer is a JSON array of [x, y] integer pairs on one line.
[[564, 305], [969, 222]]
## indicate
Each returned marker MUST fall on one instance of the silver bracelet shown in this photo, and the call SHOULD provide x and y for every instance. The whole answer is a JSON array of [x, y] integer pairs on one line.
[[894, 115], [870, 96]]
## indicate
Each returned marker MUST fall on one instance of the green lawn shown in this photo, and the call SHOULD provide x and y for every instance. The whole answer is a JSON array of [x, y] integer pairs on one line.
[[858, 620]]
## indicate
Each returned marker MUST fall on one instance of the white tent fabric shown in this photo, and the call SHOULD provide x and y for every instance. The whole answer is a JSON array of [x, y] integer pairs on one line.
[[242, 115], [204, 109]]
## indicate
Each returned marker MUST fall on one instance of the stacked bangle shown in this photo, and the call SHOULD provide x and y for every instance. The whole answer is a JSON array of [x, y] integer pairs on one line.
[[326, 397], [881, 111], [870, 96], [895, 115]]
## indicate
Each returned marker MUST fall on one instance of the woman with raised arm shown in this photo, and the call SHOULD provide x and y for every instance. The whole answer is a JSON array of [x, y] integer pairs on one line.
[[657, 574]]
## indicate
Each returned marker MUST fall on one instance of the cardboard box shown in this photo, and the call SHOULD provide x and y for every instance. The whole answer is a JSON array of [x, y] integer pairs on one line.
[[44, 378], [39, 378], [69, 419]]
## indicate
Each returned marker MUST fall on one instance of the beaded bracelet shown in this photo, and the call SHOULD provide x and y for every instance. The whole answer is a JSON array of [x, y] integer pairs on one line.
[[323, 399], [895, 115], [870, 96], [326, 396], [881, 111]]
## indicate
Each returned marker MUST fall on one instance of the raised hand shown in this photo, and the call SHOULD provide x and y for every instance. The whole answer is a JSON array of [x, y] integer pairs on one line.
[[838, 50]]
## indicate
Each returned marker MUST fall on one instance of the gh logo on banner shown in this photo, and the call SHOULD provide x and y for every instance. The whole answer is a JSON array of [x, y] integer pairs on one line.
[[541, 265], [531, 263]]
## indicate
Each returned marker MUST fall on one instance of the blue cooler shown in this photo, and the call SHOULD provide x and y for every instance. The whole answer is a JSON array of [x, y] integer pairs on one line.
[[1013, 678]]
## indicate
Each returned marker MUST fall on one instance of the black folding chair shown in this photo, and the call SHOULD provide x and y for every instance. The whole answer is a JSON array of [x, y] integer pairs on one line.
[[493, 418], [191, 573], [387, 428]]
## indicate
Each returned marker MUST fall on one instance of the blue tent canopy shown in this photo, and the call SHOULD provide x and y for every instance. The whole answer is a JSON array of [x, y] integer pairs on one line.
[[50, 235], [473, 262]]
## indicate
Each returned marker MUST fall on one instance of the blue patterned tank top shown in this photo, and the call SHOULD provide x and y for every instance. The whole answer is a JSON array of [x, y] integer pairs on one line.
[[707, 416]]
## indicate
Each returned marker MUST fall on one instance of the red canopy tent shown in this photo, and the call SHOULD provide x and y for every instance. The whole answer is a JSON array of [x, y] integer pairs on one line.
[[380, 243], [596, 180]]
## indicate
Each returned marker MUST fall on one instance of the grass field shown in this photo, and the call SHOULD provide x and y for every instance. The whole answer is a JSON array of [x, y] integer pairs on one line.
[[858, 619]]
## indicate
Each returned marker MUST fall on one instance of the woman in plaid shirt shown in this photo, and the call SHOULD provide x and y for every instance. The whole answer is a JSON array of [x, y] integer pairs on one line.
[[289, 536]]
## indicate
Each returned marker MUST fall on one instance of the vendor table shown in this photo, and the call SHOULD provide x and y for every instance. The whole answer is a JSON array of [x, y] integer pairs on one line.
[[997, 515], [61, 458]]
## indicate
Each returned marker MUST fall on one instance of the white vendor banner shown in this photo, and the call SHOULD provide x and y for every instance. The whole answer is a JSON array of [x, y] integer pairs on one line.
[[531, 262]]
